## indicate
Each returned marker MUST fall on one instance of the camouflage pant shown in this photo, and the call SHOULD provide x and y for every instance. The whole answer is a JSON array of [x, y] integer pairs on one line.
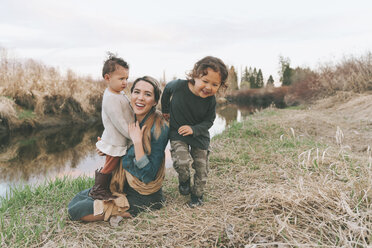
[[183, 156]]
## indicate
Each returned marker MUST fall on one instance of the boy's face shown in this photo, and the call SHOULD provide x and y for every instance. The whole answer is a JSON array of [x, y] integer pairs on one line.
[[117, 80], [208, 84]]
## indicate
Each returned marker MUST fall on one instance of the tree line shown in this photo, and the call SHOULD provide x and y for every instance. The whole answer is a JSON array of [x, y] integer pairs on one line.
[[252, 78]]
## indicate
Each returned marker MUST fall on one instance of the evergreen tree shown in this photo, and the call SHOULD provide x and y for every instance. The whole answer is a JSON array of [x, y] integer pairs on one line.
[[287, 76], [252, 82], [250, 71], [253, 79], [270, 82], [245, 78], [245, 75], [286, 71], [259, 79]]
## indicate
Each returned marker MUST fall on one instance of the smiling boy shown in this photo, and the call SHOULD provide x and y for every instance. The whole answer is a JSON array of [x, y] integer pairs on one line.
[[190, 105]]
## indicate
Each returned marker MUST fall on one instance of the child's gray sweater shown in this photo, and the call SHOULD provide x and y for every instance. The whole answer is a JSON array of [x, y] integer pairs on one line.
[[116, 116]]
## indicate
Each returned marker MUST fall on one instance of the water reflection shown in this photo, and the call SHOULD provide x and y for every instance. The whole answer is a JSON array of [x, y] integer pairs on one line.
[[231, 113], [33, 157]]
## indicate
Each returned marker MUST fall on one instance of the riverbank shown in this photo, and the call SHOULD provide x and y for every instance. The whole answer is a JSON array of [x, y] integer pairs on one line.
[[283, 177], [49, 114], [36, 96]]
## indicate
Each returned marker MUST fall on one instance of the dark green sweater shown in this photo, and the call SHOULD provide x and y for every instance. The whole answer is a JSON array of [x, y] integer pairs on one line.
[[185, 108]]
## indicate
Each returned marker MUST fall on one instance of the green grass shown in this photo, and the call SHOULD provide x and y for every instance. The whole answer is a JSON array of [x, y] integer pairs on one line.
[[268, 112], [27, 142], [298, 107], [30, 213], [24, 114]]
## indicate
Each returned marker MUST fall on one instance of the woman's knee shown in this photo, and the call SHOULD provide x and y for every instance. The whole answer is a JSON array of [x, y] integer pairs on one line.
[[80, 205]]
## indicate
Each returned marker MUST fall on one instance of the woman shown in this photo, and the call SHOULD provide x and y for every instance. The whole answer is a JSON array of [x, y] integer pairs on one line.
[[137, 184]]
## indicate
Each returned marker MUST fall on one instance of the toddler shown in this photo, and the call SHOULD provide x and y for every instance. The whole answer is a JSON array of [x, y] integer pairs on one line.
[[116, 116]]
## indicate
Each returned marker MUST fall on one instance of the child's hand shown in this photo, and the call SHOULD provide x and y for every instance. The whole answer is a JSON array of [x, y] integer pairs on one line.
[[185, 130], [166, 116], [135, 132], [99, 151]]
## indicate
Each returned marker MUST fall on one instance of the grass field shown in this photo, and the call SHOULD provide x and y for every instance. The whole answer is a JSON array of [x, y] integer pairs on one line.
[[298, 177]]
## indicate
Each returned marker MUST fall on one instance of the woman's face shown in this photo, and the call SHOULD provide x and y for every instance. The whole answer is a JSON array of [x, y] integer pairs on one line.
[[142, 99]]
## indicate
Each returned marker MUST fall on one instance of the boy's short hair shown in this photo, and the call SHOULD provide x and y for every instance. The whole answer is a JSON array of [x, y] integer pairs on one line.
[[111, 62], [200, 69]]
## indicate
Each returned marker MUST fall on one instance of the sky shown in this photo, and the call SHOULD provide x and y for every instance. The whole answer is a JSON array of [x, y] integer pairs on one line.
[[166, 37]]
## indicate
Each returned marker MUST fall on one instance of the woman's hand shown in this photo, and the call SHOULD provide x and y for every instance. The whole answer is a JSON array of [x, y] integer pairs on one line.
[[185, 130], [136, 133]]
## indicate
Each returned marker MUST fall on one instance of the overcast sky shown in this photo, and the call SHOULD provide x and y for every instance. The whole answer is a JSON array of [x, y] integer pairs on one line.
[[156, 36]]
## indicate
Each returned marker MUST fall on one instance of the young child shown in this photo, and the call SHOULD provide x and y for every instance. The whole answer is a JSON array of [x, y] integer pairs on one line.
[[116, 116], [191, 107]]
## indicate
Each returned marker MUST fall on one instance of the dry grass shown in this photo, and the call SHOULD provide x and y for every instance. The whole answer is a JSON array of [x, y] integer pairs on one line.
[[267, 188], [350, 74], [45, 90], [274, 181], [353, 74], [8, 113]]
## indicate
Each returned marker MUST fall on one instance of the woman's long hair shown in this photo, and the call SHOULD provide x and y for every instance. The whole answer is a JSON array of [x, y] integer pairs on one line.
[[154, 118]]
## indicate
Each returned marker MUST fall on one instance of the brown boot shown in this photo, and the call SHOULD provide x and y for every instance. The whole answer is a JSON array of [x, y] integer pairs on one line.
[[101, 188]]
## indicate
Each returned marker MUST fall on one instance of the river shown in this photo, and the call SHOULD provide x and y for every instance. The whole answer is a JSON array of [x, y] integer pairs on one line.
[[34, 157]]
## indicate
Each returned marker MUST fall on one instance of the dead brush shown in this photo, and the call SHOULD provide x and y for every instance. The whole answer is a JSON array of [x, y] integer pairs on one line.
[[343, 149], [31, 84], [8, 113], [304, 210], [351, 74], [313, 158], [292, 135]]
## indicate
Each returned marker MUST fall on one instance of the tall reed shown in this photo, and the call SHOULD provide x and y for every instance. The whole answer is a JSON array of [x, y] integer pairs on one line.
[[45, 90]]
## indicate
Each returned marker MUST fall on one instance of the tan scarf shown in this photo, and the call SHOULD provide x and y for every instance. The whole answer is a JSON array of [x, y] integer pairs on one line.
[[120, 205]]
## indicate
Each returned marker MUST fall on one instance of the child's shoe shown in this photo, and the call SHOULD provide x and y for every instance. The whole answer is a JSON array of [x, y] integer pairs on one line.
[[101, 188], [195, 201], [184, 187]]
